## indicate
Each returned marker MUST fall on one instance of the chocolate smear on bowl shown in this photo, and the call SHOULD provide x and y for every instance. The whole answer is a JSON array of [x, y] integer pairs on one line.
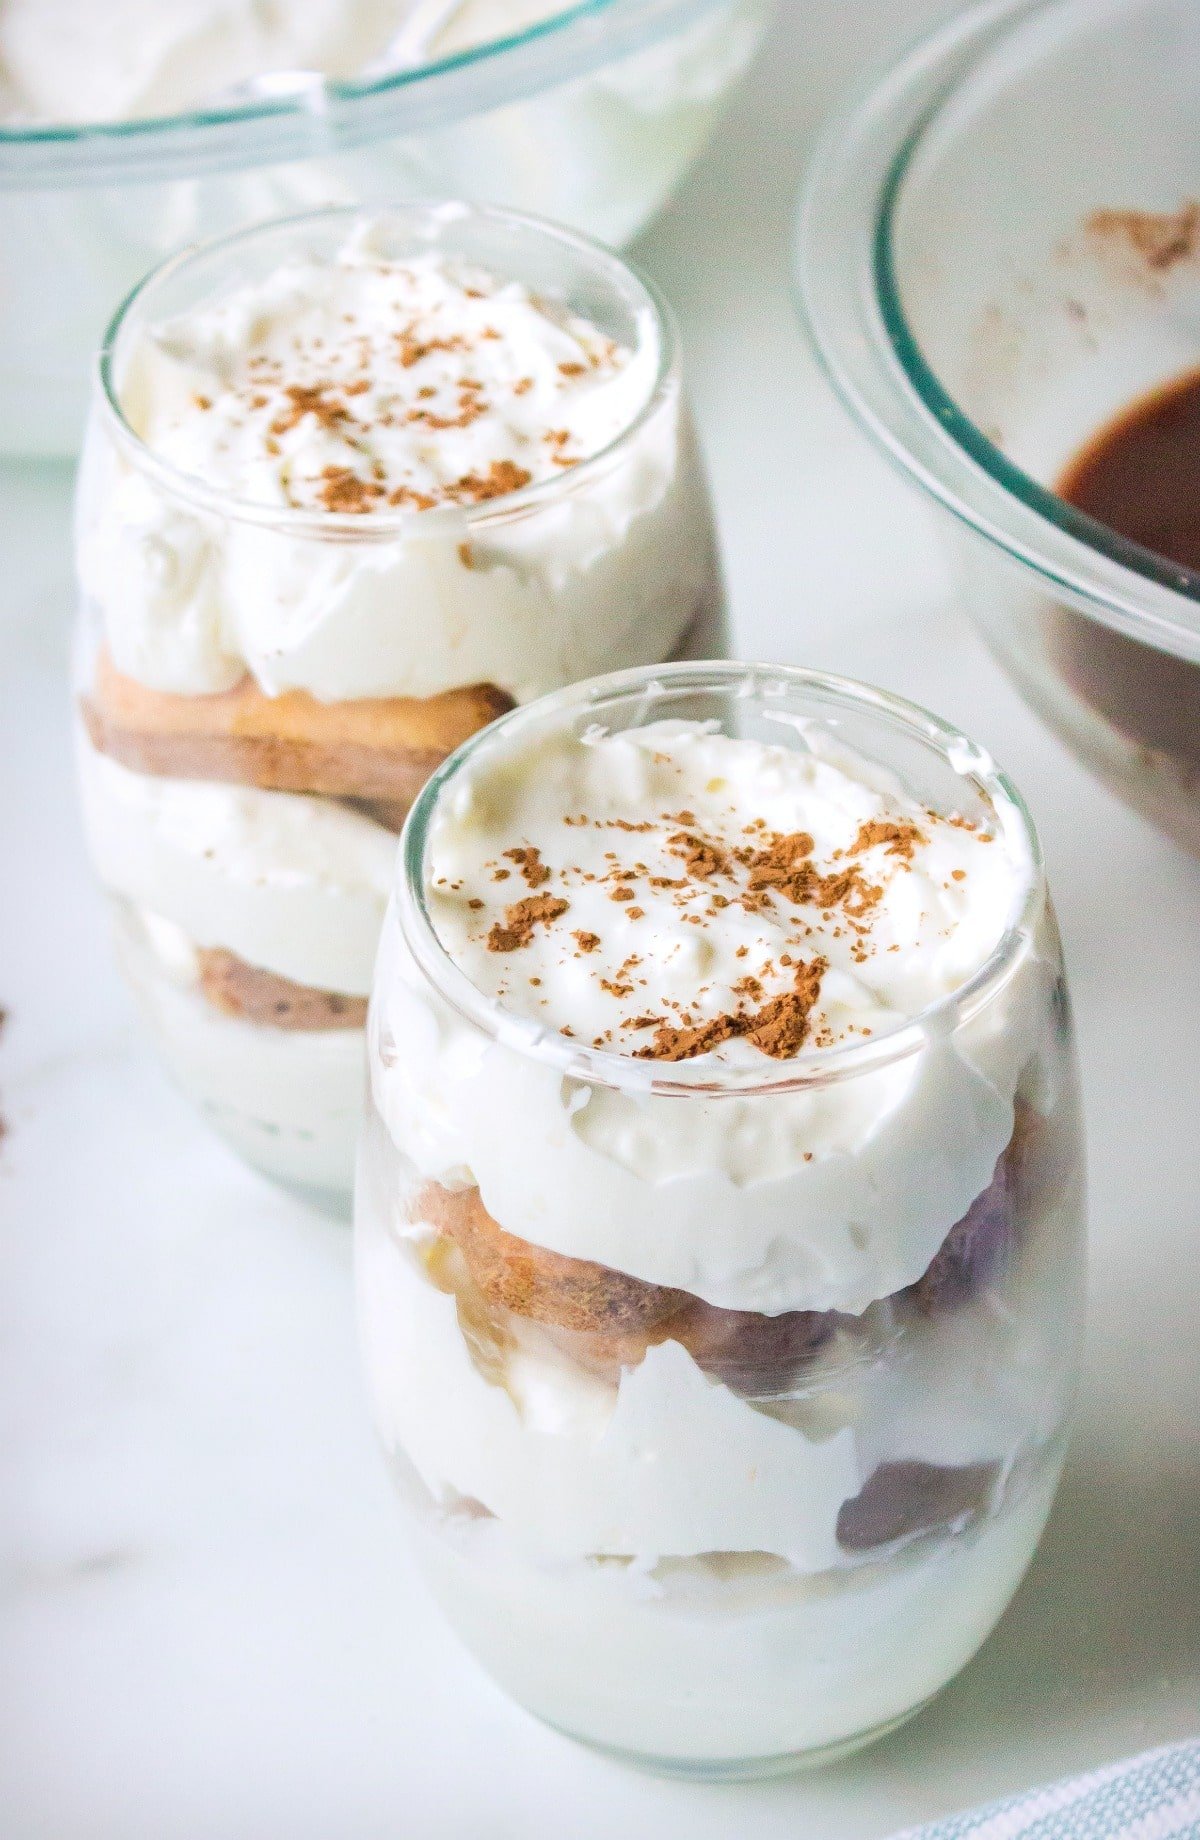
[[1158, 240], [1139, 476]]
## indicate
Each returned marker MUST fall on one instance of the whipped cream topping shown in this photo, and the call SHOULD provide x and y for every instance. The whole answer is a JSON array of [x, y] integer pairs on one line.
[[399, 404], [671, 892], [365, 384], [74, 60]]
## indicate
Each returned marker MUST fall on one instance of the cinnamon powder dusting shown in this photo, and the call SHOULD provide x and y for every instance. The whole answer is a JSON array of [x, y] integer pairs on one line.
[[766, 871], [394, 366], [777, 912]]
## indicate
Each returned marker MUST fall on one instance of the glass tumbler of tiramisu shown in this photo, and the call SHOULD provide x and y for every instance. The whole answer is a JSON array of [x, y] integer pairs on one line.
[[719, 1216], [352, 488]]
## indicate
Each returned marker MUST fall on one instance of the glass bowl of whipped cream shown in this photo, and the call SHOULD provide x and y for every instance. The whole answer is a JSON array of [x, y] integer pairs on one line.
[[352, 487], [719, 1218], [127, 129], [1000, 264]]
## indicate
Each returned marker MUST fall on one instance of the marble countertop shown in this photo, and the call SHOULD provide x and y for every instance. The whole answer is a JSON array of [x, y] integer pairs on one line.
[[210, 1629]]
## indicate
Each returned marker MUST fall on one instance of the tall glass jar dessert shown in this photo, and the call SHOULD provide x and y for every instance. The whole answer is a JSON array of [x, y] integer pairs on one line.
[[720, 1220], [352, 488]]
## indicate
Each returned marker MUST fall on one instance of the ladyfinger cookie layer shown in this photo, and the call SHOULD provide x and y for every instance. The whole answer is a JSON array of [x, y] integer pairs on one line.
[[606, 1319], [376, 750], [245, 990]]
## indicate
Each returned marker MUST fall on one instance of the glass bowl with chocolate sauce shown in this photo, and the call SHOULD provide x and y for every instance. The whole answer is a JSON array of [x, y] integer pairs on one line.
[[999, 263]]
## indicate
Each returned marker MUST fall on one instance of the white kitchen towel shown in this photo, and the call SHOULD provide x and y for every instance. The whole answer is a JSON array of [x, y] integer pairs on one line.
[[1152, 1797]]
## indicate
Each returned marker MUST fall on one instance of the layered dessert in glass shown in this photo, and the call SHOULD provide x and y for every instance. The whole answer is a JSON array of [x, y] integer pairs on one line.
[[719, 1213], [352, 488]]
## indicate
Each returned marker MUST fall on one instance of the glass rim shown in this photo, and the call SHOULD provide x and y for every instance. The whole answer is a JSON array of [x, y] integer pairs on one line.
[[384, 526], [345, 112], [813, 1067], [879, 368]]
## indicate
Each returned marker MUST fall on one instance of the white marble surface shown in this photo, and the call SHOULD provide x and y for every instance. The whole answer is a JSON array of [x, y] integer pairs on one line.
[[210, 1629]]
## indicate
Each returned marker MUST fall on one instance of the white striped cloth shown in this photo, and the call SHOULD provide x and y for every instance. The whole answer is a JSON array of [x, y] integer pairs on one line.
[[1152, 1797]]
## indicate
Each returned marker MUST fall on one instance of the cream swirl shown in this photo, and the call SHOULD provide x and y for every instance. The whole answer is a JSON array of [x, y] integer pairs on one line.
[[743, 942], [347, 438]]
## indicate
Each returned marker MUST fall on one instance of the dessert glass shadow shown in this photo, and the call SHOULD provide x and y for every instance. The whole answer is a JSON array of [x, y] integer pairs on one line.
[[353, 486], [1000, 259], [726, 1397]]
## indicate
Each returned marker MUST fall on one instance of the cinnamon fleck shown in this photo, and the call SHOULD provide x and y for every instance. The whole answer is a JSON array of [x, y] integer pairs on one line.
[[343, 490], [703, 858], [503, 476], [412, 350], [521, 918], [529, 861], [413, 500], [310, 399], [779, 1028], [899, 839]]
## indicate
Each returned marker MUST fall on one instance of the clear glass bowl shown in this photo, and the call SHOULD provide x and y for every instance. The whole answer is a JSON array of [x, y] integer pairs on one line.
[[246, 830], [723, 1541], [996, 254], [590, 118]]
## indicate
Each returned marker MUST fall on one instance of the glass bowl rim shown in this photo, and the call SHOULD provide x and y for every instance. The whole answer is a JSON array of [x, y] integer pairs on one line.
[[814, 1067], [384, 526], [583, 36], [901, 403]]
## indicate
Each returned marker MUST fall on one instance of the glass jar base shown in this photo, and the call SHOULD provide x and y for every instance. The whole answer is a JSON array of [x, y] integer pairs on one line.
[[746, 1769]]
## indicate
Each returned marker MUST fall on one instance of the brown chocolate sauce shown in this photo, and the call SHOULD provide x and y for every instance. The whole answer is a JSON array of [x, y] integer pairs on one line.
[[1140, 476]]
